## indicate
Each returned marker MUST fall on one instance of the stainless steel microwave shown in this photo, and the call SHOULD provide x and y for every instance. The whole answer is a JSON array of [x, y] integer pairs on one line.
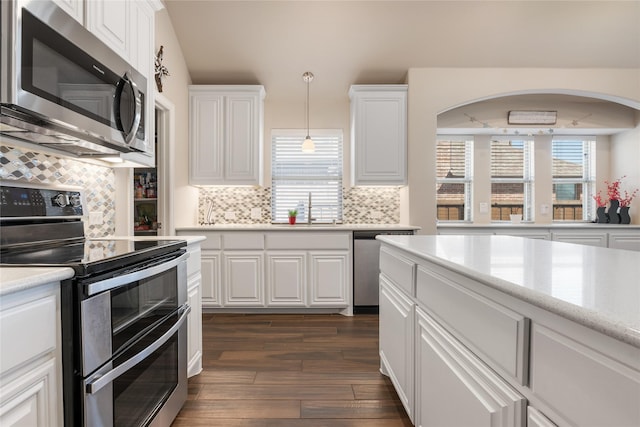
[[64, 88]]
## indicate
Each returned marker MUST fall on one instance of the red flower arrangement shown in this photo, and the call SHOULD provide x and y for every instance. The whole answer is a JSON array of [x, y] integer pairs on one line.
[[599, 202], [613, 193], [626, 200]]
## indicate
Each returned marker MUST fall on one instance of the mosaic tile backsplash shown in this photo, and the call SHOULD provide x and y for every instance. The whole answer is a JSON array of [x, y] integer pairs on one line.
[[361, 205], [97, 182]]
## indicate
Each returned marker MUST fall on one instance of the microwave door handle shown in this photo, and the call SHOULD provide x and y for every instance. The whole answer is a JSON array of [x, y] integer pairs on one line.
[[107, 378], [131, 133]]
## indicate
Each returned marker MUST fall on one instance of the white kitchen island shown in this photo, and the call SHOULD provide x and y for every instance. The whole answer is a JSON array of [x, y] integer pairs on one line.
[[509, 331]]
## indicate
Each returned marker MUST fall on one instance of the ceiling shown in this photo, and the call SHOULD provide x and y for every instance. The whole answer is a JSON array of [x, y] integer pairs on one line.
[[373, 42]]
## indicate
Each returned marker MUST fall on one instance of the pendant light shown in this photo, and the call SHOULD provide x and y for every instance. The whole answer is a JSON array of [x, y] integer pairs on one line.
[[308, 146]]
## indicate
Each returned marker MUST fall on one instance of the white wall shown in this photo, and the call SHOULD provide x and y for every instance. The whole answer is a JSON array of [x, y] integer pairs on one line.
[[175, 89], [625, 161], [435, 90]]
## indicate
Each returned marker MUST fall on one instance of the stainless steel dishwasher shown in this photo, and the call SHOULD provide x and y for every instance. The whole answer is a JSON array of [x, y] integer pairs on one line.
[[366, 268]]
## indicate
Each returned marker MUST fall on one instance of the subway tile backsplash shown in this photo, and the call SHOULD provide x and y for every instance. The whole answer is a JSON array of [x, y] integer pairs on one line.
[[361, 205], [97, 182]]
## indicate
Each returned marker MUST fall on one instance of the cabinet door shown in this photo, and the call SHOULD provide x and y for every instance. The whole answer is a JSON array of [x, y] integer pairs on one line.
[[206, 116], [75, 8], [581, 238], [329, 279], [624, 240], [211, 288], [396, 341], [242, 154], [286, 279], [455, 388], [243, 273], [194, 328], [379, 124], [109, 20], [536, 419], [31, 399]]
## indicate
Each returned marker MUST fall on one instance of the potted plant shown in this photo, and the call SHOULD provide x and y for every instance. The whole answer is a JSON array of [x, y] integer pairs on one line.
[[293, 213]]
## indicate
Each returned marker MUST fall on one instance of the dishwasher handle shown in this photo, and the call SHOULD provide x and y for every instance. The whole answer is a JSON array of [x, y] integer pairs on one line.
[[371, 234]]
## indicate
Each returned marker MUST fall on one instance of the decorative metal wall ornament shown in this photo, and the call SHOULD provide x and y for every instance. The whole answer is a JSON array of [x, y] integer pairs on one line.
[[161, 70]]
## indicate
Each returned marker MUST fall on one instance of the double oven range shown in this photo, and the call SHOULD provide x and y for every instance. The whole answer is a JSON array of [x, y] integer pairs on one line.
[[124, 336]]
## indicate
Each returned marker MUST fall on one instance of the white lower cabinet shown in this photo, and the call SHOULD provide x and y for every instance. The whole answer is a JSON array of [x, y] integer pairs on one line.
[[581, 238], [194, 318], [286, 279], [279, 270], [329, 278], [30, 358], [194, 328], [243, 278], [397, 314], [624, 240], [582, 382], [455, 388], [211, 279], [535, 418]]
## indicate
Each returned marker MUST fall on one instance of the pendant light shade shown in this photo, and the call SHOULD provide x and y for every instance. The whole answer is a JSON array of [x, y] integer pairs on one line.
[[308, 146]]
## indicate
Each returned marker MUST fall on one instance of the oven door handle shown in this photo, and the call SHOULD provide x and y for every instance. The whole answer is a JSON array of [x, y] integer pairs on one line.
[[130, 277], [108, 377]]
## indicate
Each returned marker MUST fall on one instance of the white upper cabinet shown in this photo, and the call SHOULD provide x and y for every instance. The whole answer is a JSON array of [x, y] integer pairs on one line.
[[378, 134], [110, 22], [225, 135], [75, 8]]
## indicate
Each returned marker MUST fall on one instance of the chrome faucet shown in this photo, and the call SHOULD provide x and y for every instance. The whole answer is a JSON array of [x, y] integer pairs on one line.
[[309, 219]]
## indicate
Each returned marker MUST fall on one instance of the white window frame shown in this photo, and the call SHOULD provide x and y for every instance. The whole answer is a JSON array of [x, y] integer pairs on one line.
[[323, 209], [467, 180], [528, 177], [588, 179]]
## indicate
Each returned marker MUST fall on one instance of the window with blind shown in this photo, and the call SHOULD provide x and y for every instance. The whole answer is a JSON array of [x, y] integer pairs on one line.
[[573, 169], [511, 178], [295, 175], [454, 177]]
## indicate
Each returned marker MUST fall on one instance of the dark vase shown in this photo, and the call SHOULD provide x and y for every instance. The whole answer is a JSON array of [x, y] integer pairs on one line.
[[624, 215], [614, 216], [602, 216]]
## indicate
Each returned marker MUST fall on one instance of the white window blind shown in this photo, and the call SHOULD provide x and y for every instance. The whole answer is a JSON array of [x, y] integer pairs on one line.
[[294, 175], [573, 170], [454, 178], [511, 178]]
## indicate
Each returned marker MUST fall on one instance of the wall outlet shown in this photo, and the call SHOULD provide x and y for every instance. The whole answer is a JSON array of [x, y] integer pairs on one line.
[[96, 218], [230, 215], [544, 209], [256, 213], [484, 207]]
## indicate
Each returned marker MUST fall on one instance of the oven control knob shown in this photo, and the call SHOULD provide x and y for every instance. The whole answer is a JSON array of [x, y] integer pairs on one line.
[[74, 200], [61, 200]]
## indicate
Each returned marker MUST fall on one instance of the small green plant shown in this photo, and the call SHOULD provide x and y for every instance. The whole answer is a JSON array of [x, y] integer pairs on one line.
[[293, 212]]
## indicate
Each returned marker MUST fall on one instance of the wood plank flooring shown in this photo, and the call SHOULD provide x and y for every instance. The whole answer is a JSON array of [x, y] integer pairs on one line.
[[290, 370]]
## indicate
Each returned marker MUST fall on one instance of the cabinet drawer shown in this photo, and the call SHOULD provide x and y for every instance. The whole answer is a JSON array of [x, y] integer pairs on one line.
[[307, 241], [585, 386], [35, 320], [212, 241], [487, 327], [399, 269], [243, 241]]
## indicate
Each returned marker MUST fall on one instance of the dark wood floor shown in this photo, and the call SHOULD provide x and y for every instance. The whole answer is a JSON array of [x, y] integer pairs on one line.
[[291, 370]]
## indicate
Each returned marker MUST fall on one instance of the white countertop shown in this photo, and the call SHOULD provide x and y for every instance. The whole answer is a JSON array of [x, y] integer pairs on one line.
[[297, 227], [596, 287], [14, 279]]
